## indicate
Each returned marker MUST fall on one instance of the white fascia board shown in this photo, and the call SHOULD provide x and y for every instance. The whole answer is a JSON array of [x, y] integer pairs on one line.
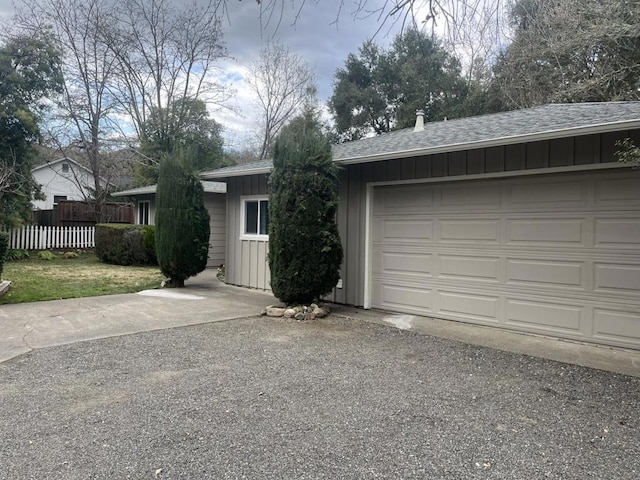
[[496, 142]]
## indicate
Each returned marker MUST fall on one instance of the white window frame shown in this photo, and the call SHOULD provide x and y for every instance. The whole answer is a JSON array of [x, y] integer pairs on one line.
[[148, 209], [243, 207]]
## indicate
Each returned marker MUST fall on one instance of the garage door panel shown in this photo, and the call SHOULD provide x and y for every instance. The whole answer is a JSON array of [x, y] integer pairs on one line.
[[616, 192], [469, 267], [616, 277], [413, 198], [470, 230], [617, 232], [407, 262], [545, 272], [550, 317], [471, 196], [555, 255], [405, 298], [409, 229], [614, 325], [465, 305], [558, 193], [546, 231]]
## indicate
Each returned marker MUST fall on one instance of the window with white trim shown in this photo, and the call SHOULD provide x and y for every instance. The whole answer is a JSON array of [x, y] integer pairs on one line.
[[143, 212], [255, 218]]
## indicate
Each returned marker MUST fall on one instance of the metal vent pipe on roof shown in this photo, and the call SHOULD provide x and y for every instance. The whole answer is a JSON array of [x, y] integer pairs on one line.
[[419, 121]]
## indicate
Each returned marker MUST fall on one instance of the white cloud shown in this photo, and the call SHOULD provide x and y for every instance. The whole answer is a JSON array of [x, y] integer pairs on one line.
[[314, 35]]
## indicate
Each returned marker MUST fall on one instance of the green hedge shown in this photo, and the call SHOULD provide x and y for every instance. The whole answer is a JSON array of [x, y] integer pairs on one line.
[[4, 248], [126, 244]]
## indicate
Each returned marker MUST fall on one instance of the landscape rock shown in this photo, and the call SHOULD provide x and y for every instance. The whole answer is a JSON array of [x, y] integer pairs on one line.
[[275, 311], [319, 312], [289, 313]]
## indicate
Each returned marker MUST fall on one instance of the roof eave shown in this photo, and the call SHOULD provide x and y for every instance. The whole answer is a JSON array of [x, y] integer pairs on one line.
[[495, 142], [238, 173]]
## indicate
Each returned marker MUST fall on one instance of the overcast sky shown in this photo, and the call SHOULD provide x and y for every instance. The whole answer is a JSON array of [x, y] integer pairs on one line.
[[314, 36]]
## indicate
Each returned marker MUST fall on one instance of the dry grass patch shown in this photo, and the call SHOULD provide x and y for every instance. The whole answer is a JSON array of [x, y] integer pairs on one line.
[[85, 276]]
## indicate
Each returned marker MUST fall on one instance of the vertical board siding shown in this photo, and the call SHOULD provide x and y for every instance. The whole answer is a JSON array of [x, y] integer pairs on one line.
[[351, 216], [542, 154], [246, 263], [216, 206], [561, 152]]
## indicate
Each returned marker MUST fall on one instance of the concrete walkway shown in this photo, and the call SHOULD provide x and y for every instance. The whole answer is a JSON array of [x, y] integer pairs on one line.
[[205, 299]]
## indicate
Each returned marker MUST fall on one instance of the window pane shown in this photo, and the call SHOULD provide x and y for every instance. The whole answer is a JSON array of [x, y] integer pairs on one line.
[[251, 217], [264, 217], [143, 213]]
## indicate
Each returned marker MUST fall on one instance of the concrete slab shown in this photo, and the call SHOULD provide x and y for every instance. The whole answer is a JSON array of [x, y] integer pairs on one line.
[[611, 359], [28, 326], [205, 299]]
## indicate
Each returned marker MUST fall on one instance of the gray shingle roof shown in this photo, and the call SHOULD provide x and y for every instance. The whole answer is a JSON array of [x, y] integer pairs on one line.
[[209, 187], [531, 124]]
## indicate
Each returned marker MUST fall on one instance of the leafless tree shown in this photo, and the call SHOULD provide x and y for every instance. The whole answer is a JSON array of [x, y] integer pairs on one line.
[[124, 61], [166, 54], [471, 28], [85, 110], [283, 84]]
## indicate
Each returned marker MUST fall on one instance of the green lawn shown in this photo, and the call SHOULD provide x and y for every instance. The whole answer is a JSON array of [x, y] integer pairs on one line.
[[35, 279]]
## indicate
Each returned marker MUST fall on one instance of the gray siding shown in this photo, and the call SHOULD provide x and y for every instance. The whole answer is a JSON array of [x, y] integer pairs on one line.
[[583, 150], [216, 205], [246, 262]]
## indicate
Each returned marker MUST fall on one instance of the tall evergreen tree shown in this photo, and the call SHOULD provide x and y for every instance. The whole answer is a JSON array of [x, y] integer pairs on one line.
[[305, 252], [29, 73], [182, 221], [570, 51], [380, 89]]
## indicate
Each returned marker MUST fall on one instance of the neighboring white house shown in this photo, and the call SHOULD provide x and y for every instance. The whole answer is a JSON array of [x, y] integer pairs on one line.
[[63, 179]]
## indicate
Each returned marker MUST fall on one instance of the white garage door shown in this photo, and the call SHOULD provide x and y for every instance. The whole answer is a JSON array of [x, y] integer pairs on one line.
[[555, 255]]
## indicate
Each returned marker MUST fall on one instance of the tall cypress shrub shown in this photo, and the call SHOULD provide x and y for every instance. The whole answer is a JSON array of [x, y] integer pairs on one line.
[[182, 221], [305, 251]]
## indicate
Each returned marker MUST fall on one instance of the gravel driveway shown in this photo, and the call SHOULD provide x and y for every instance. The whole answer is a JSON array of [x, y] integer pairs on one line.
[[337, 399]]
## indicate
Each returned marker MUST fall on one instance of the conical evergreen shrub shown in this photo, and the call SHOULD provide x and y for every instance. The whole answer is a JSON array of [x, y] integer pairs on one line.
[[305, 251], [182, 221]]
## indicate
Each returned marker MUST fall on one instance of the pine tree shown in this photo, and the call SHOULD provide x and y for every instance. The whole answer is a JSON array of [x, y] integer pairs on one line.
[[305, 252], [182, 221]]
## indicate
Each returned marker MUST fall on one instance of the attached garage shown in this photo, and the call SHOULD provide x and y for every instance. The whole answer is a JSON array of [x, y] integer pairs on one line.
[[555, 254], [522, 220]]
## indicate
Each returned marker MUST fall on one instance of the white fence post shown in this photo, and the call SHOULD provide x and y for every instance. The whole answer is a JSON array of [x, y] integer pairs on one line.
[[44, 238]]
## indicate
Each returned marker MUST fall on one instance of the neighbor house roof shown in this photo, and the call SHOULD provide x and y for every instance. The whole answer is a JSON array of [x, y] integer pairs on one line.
[[51, 163], [209, 187], [517, 126]]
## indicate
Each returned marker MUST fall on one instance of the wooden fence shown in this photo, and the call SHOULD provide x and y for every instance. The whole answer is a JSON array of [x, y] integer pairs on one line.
[[46, 238]]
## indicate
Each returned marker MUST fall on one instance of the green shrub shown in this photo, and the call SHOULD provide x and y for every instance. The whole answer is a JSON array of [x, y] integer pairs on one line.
[[124, 244], [149, 242], [305, 251], [17, 254], [182, 221], [46, 255], [4, 247]]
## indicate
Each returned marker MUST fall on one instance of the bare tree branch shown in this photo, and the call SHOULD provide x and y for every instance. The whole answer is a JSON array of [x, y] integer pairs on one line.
[[283, 83]]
